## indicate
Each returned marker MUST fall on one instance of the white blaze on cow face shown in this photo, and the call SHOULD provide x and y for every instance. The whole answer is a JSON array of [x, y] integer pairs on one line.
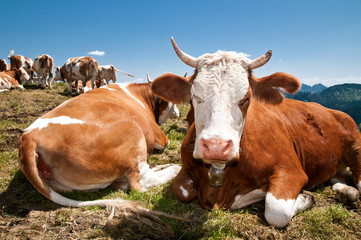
[[221, 84]]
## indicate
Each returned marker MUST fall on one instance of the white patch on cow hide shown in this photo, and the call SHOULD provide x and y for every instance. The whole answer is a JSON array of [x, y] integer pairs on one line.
[[109, 88], [279, 211], [123, 86], [184, 191], [243, 200], [5, 84], [44, 122], [156, 176]]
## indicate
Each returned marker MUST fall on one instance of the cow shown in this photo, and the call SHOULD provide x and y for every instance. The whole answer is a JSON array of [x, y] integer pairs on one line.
[[43, 67], [4, 66], [247, 143], [75, 69], [13, 79], [109, 72], [105, 143], [18, 61]]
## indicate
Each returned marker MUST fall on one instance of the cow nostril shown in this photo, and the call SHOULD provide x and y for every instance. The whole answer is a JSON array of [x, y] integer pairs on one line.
[[205, 146], [228, 146]]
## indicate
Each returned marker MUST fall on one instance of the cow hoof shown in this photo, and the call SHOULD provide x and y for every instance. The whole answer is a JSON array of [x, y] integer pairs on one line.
[[308, 200], [345, 193]]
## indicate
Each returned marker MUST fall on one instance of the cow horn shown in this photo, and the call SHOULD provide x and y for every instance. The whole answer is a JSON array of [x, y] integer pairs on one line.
[[187, 59], [262, 60], [148, 78]]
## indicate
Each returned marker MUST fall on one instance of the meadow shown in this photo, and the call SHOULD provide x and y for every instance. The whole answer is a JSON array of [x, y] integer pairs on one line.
[[26, 214]]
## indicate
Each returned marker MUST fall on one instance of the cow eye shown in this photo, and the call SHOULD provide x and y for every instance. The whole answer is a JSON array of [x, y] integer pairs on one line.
[[244, 102], [198, 99]]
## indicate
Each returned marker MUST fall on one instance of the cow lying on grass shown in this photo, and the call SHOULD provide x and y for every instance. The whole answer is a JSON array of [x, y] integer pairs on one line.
[[13, 79], [248, 143], [95, 140]]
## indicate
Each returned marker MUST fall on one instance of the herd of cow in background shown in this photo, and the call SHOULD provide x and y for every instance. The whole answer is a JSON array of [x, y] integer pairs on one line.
[[84, 70]]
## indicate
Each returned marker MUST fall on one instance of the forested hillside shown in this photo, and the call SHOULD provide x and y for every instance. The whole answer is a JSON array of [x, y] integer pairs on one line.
[[344, 97]]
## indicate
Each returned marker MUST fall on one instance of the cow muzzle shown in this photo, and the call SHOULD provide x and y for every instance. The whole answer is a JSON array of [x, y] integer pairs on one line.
[[216, 148], [216, 175]]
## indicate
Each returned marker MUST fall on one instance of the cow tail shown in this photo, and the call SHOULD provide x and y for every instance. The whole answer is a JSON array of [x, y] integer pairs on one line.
[[11, 53], [28, 161]]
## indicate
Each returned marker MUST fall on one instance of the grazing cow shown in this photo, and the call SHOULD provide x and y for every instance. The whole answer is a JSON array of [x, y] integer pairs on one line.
[[18, 61], [12, 79], [247, 143], [43, 67], [90, 148], [78, 68], [109, 72], [3, 65]]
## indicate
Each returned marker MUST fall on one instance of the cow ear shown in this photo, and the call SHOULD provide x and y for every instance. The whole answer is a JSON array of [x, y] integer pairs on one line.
[[269, 89], [172, 88]]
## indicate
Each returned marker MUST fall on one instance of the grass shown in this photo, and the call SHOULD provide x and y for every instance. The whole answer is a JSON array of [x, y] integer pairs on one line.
[[25, 214]]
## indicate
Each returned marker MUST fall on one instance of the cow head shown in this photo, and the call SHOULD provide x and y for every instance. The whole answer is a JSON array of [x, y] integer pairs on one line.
[[58, 75], [21, 75], [221, 90], [163, 109]]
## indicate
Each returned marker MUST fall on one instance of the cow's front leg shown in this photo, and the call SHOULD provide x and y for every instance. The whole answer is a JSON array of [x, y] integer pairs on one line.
[[183, 187], [243, 200], [283, 198]]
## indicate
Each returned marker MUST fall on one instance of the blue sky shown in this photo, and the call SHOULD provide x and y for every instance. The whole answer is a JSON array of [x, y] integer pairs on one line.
[[318, 41]]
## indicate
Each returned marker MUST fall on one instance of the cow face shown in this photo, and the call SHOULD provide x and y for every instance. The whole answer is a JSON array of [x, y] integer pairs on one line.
[[167, 110], [22, 75], [58, 75], [220, 91]]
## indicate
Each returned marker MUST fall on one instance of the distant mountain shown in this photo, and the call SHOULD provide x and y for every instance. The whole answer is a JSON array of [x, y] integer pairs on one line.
[[317, 88], [344, 97]]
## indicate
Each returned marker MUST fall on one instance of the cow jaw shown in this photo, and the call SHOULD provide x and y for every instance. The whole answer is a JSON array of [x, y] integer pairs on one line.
[[220, 86]]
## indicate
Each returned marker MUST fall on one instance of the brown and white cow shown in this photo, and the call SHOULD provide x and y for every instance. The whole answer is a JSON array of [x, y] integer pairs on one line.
[[109, 72], [106, 143], [43, 67], [18, 61], [248, 143], [4, 66], [13, 79], [78, 68]]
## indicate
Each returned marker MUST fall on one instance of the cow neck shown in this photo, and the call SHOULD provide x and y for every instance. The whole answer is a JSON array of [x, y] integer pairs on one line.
[[143, 91]]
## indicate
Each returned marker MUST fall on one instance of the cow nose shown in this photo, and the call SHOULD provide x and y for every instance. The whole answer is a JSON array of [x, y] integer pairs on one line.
[[215, 148]]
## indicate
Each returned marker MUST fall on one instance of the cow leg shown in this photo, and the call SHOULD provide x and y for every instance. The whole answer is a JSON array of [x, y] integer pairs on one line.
[[161, 140], [343, 192], [69, 86], [43, 80], [243, 200], [157, 176], [183, 187], [77, 85], [283, 198]]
